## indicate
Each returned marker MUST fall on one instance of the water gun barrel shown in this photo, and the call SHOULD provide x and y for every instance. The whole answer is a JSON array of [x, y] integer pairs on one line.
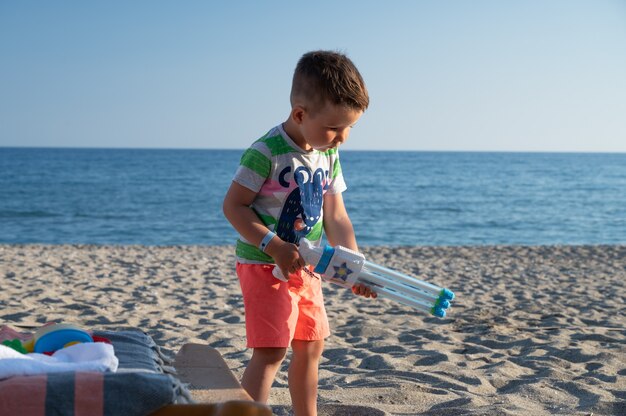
[[404, 282], [401, 277], [384, 281], [419, 304]]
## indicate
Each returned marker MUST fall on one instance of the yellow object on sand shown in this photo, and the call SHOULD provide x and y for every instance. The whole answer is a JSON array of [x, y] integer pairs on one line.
[[29, 345]]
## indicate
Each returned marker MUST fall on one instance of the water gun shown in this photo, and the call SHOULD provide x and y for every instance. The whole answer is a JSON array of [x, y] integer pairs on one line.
[[346, 268]]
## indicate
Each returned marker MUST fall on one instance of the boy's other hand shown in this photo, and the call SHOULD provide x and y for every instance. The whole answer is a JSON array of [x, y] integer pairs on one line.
[[362, 290], [286, 256]]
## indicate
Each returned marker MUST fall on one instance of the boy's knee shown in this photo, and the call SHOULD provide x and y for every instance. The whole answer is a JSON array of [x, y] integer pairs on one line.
[[270, 355], [311, 349]]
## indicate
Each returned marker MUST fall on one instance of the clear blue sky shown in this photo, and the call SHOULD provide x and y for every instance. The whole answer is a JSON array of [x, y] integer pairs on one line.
[[443, 75]]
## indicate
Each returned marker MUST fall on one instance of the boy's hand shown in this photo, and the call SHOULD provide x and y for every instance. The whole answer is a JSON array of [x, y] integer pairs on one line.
[[361, 290], [286, 256]]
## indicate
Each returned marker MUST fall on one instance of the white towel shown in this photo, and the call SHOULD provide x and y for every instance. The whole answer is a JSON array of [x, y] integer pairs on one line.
[[92, 356]]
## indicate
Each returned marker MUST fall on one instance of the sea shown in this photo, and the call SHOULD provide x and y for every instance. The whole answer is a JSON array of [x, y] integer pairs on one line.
[[174, 197]]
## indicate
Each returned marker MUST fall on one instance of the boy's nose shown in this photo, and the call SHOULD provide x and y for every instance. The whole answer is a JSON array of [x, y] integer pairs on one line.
[[341, 137]]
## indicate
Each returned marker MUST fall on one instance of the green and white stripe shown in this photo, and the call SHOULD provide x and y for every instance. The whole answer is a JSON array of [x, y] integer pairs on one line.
[[261, 165]]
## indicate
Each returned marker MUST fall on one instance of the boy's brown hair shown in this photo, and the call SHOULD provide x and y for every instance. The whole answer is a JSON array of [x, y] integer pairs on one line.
[[326, 76]]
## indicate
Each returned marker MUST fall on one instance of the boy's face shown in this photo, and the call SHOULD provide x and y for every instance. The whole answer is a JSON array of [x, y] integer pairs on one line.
[[326, 128]]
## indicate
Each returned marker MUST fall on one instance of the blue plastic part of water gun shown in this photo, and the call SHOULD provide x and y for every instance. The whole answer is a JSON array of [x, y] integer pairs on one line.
[[446, 294], [327, 255]]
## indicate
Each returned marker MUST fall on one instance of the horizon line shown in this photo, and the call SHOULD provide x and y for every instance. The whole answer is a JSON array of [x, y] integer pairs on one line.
[[342, 150]]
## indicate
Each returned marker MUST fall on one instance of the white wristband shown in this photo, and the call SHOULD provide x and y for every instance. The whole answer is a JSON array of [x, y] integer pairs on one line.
[[266, 240]]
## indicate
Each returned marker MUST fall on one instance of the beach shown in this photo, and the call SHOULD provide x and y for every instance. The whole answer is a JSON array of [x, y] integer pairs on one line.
[[533, 330]]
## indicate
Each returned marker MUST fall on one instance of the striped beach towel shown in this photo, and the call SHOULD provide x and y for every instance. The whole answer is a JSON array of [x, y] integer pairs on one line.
[[141, 385]]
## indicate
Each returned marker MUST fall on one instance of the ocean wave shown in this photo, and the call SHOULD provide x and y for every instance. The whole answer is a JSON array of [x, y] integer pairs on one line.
[[27, 214]]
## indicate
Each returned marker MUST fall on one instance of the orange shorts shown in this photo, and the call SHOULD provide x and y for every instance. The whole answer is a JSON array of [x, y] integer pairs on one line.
[[278, 312]]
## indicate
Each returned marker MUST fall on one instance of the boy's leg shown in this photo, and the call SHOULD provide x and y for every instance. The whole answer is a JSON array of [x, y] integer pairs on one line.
[[303, 376], [270, 316], [259, 374]]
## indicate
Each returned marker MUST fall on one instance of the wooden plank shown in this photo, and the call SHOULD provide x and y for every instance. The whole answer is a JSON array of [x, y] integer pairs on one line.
[[212, 385], [210, 380]]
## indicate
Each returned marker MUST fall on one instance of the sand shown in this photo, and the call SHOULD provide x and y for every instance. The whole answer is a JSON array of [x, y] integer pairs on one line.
[[534, 330]]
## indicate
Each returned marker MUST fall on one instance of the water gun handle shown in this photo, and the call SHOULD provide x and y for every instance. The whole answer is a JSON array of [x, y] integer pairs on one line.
[[278, 274], [310, 253]]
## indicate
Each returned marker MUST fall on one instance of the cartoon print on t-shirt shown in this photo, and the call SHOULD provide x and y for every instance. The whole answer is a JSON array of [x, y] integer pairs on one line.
[[303, 207]]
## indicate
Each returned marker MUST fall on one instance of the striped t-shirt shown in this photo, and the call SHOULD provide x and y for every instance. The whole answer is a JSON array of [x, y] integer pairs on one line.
[[290, 184]]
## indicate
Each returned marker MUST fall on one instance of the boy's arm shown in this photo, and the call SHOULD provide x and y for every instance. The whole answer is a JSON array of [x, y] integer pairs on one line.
[[339, 232], [237, 210], [337, 224]]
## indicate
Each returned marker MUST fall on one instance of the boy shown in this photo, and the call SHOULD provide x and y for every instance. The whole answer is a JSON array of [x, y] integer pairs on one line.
[[288, 186]]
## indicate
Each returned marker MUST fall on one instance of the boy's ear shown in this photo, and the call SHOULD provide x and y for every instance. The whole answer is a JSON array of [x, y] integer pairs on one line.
[[297, 113]]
